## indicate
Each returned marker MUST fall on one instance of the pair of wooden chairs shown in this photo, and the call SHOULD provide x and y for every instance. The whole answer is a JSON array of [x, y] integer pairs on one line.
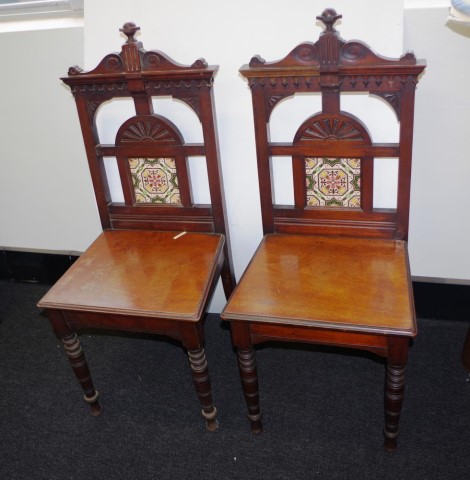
[[331, 269]]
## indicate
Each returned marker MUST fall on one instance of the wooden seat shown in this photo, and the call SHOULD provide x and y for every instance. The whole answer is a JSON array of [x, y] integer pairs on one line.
[[332, 268], [157, 263]]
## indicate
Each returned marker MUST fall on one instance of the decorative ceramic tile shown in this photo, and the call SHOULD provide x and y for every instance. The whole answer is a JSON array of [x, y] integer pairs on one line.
[[155, 180], [333, 182]]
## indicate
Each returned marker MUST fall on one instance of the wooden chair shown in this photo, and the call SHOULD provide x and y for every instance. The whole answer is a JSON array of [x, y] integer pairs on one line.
[[157, 263], [331, 269]]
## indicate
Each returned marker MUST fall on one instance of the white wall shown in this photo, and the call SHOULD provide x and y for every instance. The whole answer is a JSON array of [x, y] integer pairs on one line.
[[229, 34], [46, 198], [43, 160], [440, 222]]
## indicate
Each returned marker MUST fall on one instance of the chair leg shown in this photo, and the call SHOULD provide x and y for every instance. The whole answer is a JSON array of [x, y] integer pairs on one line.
[[228, 279], [394, 389], [77, 360], [466, 352], [249, 378], [200, 373], [192, 336], [241, 339]]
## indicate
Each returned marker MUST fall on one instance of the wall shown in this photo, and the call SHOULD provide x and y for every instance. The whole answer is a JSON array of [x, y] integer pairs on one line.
[[229, 34], [46, 198], [439, 218], [45, 192]]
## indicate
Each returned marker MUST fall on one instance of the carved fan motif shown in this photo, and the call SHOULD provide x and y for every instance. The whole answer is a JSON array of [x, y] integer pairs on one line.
[[331, 129], [146, 131]]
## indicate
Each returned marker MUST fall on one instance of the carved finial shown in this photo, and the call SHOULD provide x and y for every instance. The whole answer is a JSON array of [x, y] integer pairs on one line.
[[130, 29], [329, 17]]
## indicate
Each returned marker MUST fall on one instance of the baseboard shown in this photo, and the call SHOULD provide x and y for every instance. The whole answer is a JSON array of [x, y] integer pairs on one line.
[[444, 299], [34, 266]]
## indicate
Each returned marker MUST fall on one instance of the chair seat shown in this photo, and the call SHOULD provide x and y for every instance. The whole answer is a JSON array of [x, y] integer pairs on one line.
[[352, 284], [141, 273]]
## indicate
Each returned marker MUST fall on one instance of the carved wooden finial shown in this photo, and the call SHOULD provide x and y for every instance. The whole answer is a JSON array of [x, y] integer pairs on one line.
[[130, 29], [329, 17]]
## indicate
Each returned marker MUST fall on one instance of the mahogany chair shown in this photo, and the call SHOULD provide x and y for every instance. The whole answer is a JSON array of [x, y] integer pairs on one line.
[[331, 269], [157, 263]]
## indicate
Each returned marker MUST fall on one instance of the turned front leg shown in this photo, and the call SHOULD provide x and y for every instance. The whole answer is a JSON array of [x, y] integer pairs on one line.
[[394, 389], [241, 339], [200, 374], [77, 360], [249, 378]]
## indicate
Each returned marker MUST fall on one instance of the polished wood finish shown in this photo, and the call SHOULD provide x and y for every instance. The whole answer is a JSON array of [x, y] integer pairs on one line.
[[156, 265], [370, 290], [330, 275], [120, 269]]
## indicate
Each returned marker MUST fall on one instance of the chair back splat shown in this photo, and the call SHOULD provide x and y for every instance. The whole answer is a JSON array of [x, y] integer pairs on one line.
[[332, 152], [151, 153], [156, 265], [332, 267]]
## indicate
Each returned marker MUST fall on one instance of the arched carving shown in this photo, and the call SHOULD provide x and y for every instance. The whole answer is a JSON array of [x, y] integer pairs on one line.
[[336, 127], [148, 129]]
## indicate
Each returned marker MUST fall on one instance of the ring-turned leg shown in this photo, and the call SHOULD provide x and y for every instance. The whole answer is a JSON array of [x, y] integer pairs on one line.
[[249, 378], [200, 373], [394, 389], [192, 335], [77, 359]]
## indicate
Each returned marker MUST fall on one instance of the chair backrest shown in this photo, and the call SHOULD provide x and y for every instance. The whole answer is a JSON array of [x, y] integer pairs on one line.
[[151, 152], [332, 152]]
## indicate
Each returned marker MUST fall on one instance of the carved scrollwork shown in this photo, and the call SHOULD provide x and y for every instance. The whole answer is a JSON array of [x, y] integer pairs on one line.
[[306, 53], [75, 70], [151, 60], [408, 57], [200, 63], [113, 63], [257, 61], [354, 51]]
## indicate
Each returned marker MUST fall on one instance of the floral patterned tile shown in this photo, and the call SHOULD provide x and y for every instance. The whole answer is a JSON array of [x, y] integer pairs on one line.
[[155, 180], [333, 182]]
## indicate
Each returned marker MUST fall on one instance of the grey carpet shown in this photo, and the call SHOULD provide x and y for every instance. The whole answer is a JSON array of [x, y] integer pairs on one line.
[[322, 408]]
